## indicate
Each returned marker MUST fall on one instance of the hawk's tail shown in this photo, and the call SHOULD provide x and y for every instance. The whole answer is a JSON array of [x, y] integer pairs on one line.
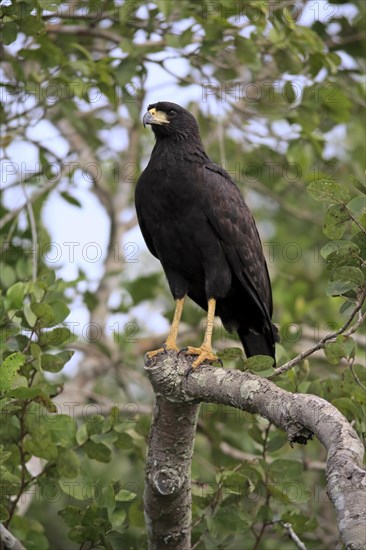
[[256, 343]]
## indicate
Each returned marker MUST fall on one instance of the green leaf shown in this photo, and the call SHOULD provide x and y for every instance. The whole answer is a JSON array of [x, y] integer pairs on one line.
[[4, 514], [143, 288], [4, 455], [125, 496], [7, 275], [348, 407], [79, 488], [256, 434], [82, 434], [67, 463], [124, 441], [334, 352], [56, 337], [358, 208], [339, 252], [15, 295], [55, 363], [246, 51], [70, 199], [30, 317], [136, 515], [9, 369], [72, 515], [234, 520], [349, 274], [97, 451], [81, 534], [328, 191], [40, 444], [359, 185], [276, 441], [24, 392], [118, 518], [335, 221], [283, 469], [337, 288], [44, 314], [230, 353], [289, 92], [60, 311], [9, 32], [360, 241], [264, 514], [106, 498], [95, 424], [258, 363], [62, 429]]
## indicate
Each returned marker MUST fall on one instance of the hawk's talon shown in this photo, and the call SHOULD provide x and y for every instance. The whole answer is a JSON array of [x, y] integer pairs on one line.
[[205, 355], [166, 347], [153, 353], [182, 350]]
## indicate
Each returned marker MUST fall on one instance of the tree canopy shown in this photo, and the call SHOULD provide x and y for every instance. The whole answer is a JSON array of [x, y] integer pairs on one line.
[[278, 88]]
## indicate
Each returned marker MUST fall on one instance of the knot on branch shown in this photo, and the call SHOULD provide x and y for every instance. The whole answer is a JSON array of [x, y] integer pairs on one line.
[[297, 433], [166, 372], [167, 481]]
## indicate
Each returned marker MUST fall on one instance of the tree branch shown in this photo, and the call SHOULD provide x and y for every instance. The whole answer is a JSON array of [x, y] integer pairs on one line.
[[331, 336], [167, 497], [293, 536], [36, 195], [8, 541], [300, 415]]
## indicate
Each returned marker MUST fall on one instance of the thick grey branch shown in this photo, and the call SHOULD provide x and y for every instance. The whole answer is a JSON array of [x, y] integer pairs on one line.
[[8, 541], [167, 498], [300, 415]]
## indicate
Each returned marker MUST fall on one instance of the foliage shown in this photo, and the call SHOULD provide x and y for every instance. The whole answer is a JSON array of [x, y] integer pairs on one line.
[[279, 104]]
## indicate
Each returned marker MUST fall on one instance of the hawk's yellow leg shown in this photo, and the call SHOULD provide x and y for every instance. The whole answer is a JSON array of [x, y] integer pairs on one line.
[[171, 341], [204, 352]]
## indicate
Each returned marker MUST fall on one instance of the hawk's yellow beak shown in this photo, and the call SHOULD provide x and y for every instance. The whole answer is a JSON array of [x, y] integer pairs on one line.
[[155, 117]]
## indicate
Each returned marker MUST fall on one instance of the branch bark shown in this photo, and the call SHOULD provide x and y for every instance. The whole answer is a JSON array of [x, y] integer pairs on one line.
[[300, 415], [8, 541], [167, 475]]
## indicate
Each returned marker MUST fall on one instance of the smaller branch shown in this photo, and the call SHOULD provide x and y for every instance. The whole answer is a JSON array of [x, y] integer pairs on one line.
[[354, 374], [8, 541], [293, 536], [320, 345], [96, 32], [242, 456], [354, 219], [11, 215], [81, 30], [33, 226]]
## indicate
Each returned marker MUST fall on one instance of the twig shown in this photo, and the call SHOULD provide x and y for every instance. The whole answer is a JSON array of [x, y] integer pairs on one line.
[[293, 536], [354, 219], [320, 345], [11, 215], [242, 456], [354, 374], [97, 32], [33, 226]]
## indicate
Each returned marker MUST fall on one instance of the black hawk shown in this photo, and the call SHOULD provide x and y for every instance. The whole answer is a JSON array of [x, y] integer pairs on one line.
[[194, 219]]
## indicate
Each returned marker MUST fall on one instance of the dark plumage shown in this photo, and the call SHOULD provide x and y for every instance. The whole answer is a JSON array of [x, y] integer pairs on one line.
[[195, 221]]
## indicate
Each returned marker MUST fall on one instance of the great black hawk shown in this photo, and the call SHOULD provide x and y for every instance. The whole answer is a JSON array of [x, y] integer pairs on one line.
[[194, 219]]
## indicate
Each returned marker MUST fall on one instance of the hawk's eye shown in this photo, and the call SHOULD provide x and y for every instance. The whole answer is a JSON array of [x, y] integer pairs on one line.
[[172, 113]]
